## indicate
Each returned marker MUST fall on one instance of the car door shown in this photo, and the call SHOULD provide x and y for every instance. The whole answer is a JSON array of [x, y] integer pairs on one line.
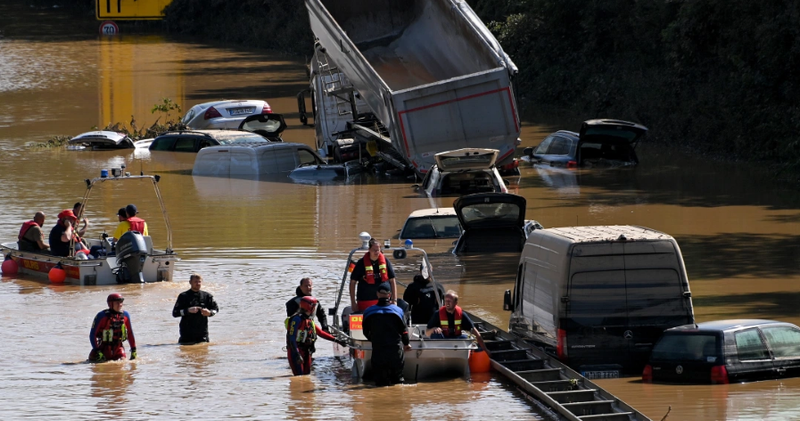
[[784, 342], [754, 358]]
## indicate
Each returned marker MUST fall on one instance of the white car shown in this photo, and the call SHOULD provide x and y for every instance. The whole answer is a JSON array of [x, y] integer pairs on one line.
[[463, 171], [223, 114]]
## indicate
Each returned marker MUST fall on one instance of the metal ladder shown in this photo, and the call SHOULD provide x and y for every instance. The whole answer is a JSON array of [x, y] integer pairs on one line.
[[554, 385], [335, 83]]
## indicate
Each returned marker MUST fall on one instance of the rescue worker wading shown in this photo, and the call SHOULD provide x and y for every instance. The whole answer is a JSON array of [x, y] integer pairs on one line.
[[194, 307], [111, 327], [385, 328], [301, 333], [305, 289]]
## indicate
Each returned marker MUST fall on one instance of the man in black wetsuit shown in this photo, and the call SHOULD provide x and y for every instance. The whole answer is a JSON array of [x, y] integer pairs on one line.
[[194, 307], [384, 327], [306, 290], [421, 297]]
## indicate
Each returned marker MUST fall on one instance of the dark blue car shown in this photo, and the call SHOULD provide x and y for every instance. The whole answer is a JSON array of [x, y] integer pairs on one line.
[[725, 351], [600, 143]]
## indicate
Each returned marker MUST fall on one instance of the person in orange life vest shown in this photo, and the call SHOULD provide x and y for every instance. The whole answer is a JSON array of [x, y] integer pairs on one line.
[[301, 333], [63, 232], [31, 237], [77, 209], [111, 327], [451, 322], [130, 223], [369, 272]]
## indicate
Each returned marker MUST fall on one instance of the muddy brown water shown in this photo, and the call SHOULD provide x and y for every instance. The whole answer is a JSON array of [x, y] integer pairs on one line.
[[254, 239]]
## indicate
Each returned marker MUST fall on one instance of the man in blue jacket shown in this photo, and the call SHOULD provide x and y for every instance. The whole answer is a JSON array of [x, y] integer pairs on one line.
[[385, 328]]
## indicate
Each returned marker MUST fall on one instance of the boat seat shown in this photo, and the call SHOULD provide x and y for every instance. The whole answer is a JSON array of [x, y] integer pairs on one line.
[[148, 241]]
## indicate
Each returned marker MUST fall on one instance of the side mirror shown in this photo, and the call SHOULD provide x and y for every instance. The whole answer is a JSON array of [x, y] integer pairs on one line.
[[507, 305]]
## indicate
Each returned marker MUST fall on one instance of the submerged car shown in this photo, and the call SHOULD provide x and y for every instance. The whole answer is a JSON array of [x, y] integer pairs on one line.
[[255, 129], [463, 171], [725, 351], [492, 222], [431, 223], [600, 143], [227, 114], [100, 140], [256, 159]]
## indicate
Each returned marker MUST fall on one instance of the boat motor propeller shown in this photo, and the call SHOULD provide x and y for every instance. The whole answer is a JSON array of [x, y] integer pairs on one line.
[[131, 255]]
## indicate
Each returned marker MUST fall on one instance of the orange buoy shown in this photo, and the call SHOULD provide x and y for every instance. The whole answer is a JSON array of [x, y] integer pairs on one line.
[[57, 275], [479, 361], [9, 266]]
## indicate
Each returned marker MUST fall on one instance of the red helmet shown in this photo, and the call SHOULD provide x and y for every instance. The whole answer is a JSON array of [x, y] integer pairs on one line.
[[307, 303], [115, 297]]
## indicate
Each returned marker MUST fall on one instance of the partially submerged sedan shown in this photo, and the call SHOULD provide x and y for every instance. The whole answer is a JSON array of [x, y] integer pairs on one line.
[[725, 351], [600, 143], [492, 223], [226, 114]]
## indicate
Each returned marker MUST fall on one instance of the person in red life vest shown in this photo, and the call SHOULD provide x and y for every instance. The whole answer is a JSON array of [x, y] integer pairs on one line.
[[31, 236], [384, 325], [451, 322], [111, 327], [369, 272], [63, 232], [131, 223], [301, 333]]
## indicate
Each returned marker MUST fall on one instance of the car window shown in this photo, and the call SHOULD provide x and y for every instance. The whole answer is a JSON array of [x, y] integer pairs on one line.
[[783, 340], [750, 346], [306, 157], [162, 144], [597, 298], [653, 294], [687, 347], [432, 227], [542, 148], [188, 116], [185, 144], [239, 139], [560, 146]]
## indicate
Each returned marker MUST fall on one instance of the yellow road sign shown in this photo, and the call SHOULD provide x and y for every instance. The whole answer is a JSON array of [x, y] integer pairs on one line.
[[130, 9]]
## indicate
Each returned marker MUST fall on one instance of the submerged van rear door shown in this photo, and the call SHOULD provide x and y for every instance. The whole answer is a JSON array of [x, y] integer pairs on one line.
[[622, 296]]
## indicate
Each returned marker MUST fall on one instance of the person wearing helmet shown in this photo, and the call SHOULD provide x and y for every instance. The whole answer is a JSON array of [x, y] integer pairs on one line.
[[111, 327], [194, 307], [301, 333]]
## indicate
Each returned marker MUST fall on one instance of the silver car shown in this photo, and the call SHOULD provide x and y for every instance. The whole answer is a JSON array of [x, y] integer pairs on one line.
[[224, 114]]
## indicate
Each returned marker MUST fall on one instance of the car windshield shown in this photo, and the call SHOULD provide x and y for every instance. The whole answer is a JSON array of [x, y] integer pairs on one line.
[[686, 346], [240, 138], [432, 227], [492, 213]]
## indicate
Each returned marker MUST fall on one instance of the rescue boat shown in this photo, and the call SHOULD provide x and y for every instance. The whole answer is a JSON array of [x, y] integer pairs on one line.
[[428, 358], [135, 259]]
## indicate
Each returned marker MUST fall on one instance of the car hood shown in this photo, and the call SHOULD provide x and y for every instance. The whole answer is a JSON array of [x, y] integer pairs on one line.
[[268, 125], [490, 210], [102, 139], [623, 130], [466, 159]]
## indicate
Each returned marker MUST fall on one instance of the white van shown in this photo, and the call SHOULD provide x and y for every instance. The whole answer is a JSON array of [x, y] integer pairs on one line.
[[599, 297]]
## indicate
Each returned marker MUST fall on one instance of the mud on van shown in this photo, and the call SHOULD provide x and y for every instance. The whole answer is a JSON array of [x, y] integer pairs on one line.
[[599, 297]]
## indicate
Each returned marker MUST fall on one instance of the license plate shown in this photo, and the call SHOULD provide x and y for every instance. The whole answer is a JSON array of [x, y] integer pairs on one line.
[[603, 374], [241, 111]]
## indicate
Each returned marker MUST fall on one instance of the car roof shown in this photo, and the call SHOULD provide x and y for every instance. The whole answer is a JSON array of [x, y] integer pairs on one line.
[[213, 133], [726, 325], [225, 101], [420, 213]]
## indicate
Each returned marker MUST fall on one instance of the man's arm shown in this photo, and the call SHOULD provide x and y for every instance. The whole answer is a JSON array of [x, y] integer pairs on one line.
[[353, 305], [434, 325], [322, 318], [93, 332], [131, 338], [211, 306], [145, 229], [82, 231], [180, 309], [67, 235], [393, 283], [40, 240]]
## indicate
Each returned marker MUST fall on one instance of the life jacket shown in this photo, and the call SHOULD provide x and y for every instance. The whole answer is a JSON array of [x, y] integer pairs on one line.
[[25, 227], [370, 275], [450, 331], [137, 224], [115, 329], [307, 333]]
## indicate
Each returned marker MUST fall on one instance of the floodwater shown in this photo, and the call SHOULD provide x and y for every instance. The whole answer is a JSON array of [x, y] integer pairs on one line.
[[253, 240]]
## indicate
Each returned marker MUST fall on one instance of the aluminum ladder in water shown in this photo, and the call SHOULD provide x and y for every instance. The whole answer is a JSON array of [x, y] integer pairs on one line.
[[562, 392]]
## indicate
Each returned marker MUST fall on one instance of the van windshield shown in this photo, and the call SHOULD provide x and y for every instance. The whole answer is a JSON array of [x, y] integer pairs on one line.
[[686, 346]]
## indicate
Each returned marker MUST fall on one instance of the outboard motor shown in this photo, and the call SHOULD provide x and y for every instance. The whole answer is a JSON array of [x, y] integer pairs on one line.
[[131, 255]]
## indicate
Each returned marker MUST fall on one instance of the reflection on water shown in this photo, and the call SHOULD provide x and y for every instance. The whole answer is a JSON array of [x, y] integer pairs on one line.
[[253, 240]]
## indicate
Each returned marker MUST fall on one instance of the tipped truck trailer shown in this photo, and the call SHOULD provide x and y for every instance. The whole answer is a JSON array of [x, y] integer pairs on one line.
[[404, 80]]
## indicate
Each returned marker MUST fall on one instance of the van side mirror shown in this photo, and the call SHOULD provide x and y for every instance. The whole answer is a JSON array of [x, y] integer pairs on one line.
[[507, 305]]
